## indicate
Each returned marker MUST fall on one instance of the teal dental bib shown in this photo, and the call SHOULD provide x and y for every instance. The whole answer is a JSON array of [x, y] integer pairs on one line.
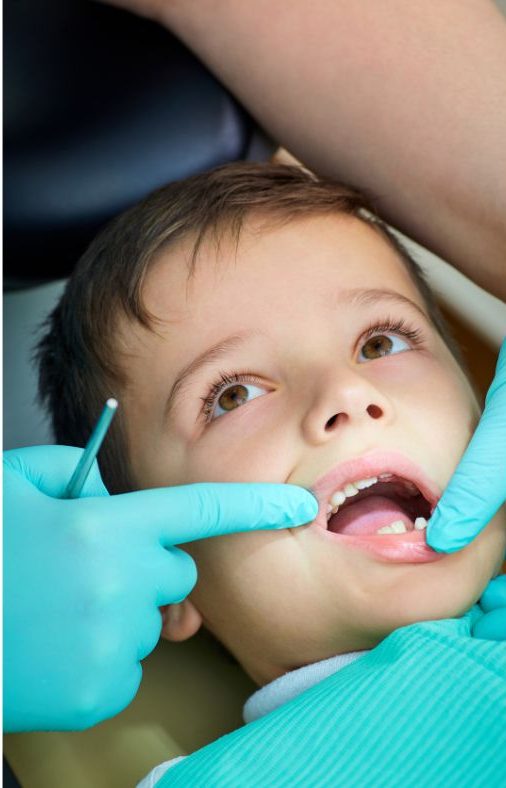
[[425, 708]]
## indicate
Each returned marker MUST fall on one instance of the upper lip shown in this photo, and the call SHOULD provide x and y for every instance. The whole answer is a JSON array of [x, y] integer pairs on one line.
[[372, 464]]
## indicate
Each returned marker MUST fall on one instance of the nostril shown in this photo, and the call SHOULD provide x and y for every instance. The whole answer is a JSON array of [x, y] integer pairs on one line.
[[374, 412], [331, 422]]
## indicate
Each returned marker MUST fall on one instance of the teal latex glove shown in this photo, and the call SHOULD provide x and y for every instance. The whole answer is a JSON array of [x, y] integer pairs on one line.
[[83, 579], [493, 604], [475, 493]]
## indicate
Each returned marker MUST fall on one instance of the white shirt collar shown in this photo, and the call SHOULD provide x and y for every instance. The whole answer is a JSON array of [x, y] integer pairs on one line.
[[291, 684]]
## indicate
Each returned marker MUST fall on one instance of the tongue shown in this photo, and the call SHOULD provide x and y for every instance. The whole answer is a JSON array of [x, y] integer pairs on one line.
[[367, 515]]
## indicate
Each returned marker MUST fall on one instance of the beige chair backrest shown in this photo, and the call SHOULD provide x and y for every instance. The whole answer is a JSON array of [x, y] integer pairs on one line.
[[191, 694]]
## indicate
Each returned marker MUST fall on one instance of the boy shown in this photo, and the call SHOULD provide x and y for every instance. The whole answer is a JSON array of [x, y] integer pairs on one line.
[[257, 325]]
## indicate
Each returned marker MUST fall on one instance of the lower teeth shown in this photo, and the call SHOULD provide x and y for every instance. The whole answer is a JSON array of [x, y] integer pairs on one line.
[[398, 527]]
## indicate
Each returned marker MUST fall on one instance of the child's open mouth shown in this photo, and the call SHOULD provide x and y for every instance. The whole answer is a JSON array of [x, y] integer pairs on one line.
[[379, 502], [384, 504]]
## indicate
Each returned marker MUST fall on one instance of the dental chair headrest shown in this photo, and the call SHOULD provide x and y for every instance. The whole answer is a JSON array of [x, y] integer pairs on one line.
[[100, 108]]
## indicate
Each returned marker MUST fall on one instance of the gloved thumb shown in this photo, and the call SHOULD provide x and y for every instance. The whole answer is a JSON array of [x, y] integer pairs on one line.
[[478, 486]]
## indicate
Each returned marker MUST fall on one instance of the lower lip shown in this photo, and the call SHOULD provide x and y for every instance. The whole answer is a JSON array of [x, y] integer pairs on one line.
[[408, 548]]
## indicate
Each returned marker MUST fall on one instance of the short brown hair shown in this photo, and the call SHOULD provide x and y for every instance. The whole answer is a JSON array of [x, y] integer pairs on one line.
[[77, 371]]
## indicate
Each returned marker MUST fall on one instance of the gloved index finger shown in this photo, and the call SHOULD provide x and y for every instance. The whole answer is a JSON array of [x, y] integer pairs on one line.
[[177, 515], [478, 487]]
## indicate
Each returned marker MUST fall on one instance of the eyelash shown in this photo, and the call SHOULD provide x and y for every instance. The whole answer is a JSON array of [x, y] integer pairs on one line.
[[219, 385], [229, 379], [394, 327]]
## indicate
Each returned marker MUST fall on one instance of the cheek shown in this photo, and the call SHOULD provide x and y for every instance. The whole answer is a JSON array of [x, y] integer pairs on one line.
[[433, 396], [243, 577], [243, 449]]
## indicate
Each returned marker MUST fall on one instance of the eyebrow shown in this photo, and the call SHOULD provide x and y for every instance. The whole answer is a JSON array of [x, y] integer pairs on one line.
[[209, 356], [355, 295], [364, 295]]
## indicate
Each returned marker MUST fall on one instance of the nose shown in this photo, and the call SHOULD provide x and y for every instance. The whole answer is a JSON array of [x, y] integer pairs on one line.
[[343, 402]]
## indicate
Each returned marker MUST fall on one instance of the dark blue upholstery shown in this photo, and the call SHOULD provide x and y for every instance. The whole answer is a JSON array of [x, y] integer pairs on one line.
[[100, 108]]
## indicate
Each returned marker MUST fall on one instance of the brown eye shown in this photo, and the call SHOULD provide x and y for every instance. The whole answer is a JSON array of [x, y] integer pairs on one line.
[[377, 346], [233, 397]]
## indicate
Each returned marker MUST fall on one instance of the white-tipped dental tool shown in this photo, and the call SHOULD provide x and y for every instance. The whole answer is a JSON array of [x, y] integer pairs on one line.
[[83, 467]]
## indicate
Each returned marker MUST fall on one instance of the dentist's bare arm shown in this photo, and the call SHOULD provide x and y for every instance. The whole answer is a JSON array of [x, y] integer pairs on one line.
[[405, 99]]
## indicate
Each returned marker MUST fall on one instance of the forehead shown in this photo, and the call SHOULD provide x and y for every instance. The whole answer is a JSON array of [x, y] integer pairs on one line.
[[276, 268]]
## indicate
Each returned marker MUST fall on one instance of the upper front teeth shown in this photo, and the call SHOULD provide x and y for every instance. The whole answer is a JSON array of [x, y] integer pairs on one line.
[[363, 483], [349, 490], [339, 497]]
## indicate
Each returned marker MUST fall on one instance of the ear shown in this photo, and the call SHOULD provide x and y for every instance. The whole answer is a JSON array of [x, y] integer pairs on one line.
[[180, 621]]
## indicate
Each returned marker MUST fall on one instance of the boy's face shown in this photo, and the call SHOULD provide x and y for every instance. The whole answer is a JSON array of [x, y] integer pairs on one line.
[[304, 390]]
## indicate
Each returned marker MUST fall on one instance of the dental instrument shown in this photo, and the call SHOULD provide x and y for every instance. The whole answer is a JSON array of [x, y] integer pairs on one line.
[[83, 467]]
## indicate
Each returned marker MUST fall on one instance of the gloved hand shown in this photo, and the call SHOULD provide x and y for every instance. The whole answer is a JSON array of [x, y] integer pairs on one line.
[[493, 603], [83, 579], [475, 492]]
